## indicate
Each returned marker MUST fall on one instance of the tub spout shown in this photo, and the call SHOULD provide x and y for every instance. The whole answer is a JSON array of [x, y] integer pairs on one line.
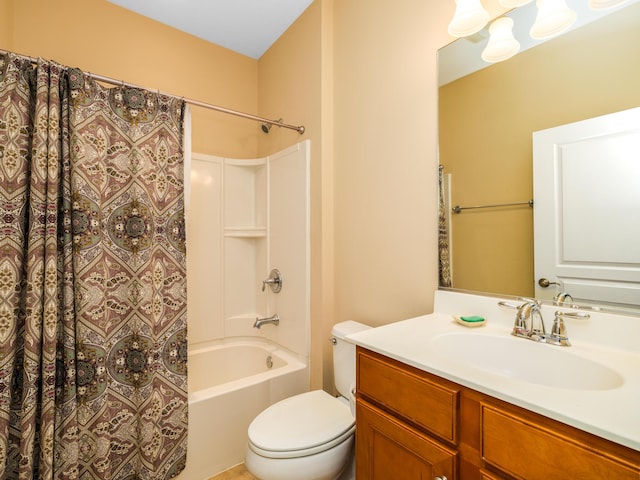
[[274, 319]]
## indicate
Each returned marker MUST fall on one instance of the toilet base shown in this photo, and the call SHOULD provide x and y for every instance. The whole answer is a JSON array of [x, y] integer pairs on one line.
[[349, 473], [327, 465]]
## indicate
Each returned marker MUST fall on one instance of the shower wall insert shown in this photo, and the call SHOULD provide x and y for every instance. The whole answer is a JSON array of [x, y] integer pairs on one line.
[[245, 218]]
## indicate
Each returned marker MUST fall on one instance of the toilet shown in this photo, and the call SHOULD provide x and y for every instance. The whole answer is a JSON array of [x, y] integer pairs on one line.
[[310, 436]]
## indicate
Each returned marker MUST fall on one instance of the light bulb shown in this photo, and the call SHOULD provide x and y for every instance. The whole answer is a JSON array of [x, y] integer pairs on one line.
[[470, 17], [553, 18], [502, 44]]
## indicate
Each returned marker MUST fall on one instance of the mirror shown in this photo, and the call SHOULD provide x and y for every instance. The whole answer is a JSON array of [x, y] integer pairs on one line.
[[486, 119]]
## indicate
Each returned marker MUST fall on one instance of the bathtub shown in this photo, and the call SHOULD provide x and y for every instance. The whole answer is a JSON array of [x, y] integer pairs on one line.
[[230, 382]]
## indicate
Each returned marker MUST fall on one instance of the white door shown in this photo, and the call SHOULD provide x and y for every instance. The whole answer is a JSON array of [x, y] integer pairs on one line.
[[586, 182]]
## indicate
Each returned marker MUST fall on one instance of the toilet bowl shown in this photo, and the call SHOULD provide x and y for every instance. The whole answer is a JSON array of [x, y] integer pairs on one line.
[[309, 436]]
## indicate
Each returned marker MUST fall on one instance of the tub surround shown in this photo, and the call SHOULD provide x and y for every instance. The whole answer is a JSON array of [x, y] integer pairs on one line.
[[257, 215], [257, 219], [608, 339]]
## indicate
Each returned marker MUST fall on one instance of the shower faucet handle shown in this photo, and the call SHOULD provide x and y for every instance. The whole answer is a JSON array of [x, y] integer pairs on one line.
[[274, 281]]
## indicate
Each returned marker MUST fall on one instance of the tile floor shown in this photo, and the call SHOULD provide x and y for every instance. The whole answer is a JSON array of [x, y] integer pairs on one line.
[[238, 472]]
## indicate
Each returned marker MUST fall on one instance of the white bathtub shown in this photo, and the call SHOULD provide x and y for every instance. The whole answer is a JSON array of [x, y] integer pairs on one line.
[[230, 382]]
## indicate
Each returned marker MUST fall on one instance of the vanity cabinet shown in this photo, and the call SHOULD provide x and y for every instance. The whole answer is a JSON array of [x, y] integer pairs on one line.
[[412, 424]]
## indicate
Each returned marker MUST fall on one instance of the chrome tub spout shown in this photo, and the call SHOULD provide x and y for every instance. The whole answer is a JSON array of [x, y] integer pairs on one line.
[[274, 319]]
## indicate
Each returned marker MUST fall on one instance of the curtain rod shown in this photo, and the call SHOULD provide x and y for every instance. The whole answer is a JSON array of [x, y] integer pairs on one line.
[[458, 208], [300, 129]]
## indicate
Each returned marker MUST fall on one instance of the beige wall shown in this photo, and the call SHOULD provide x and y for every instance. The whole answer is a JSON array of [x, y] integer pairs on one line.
[[486, 140], [103, 38], [6, 23], [290, 87], [385, 157], [370, 111], [359, 74]]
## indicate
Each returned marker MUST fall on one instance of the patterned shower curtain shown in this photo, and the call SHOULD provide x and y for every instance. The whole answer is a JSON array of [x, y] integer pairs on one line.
[[92, 278], [444, 269]]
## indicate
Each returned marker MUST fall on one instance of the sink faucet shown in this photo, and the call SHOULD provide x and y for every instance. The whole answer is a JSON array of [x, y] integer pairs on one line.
[[274, 319], [558, 335], [529, 322]]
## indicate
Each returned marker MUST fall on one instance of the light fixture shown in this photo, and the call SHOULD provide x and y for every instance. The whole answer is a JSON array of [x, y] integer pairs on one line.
[[553, 17], [604, 4], [470, 17], [502, 44], [513, 3]]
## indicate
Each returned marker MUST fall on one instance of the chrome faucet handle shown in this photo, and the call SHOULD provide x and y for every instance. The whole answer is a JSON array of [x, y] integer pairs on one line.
[[520, 327], [558, 335], [508, 305], [521, 299], [530, 300], [274, 281]]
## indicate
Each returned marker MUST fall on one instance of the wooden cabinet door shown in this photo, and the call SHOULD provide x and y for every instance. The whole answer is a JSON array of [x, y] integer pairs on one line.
[[387, 449], [534, 449]]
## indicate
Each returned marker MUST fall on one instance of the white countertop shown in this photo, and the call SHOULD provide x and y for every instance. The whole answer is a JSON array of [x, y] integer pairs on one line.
[[613, 414]]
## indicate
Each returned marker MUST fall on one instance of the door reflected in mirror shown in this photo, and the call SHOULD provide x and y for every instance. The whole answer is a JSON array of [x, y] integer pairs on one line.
[[486, 122]]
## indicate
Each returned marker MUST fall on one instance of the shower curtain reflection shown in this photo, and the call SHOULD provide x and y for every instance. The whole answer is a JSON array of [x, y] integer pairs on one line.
[[444, 260]]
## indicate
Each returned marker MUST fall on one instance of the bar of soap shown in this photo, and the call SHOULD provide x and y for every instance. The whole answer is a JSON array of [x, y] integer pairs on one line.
[[470, 320]]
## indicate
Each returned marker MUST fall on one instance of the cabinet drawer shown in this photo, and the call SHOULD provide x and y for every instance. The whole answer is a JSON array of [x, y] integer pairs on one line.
[[409, 394], [525, 449]]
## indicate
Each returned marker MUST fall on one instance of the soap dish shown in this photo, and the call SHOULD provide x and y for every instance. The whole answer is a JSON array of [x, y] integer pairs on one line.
[[470, 320]]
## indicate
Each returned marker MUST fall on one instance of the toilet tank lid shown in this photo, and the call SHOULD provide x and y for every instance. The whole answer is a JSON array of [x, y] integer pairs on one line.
[[347, 327]]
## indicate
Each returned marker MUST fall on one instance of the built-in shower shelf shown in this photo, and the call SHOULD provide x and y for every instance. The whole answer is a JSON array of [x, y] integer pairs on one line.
[[251, 232]]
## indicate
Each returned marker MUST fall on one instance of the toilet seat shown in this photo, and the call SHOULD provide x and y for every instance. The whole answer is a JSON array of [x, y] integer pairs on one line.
[[301, 425]]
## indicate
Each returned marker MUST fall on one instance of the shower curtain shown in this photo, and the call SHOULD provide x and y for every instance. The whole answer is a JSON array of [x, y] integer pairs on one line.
[[444, 265], [92, 278]]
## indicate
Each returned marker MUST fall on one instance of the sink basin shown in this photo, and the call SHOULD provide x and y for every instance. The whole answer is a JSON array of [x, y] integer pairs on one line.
[[527, 361]]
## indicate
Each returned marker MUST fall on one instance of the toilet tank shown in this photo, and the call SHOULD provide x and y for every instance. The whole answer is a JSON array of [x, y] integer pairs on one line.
[[344, 356]]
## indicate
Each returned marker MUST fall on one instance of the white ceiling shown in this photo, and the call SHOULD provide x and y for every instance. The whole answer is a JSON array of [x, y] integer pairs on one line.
[[248, 27]]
